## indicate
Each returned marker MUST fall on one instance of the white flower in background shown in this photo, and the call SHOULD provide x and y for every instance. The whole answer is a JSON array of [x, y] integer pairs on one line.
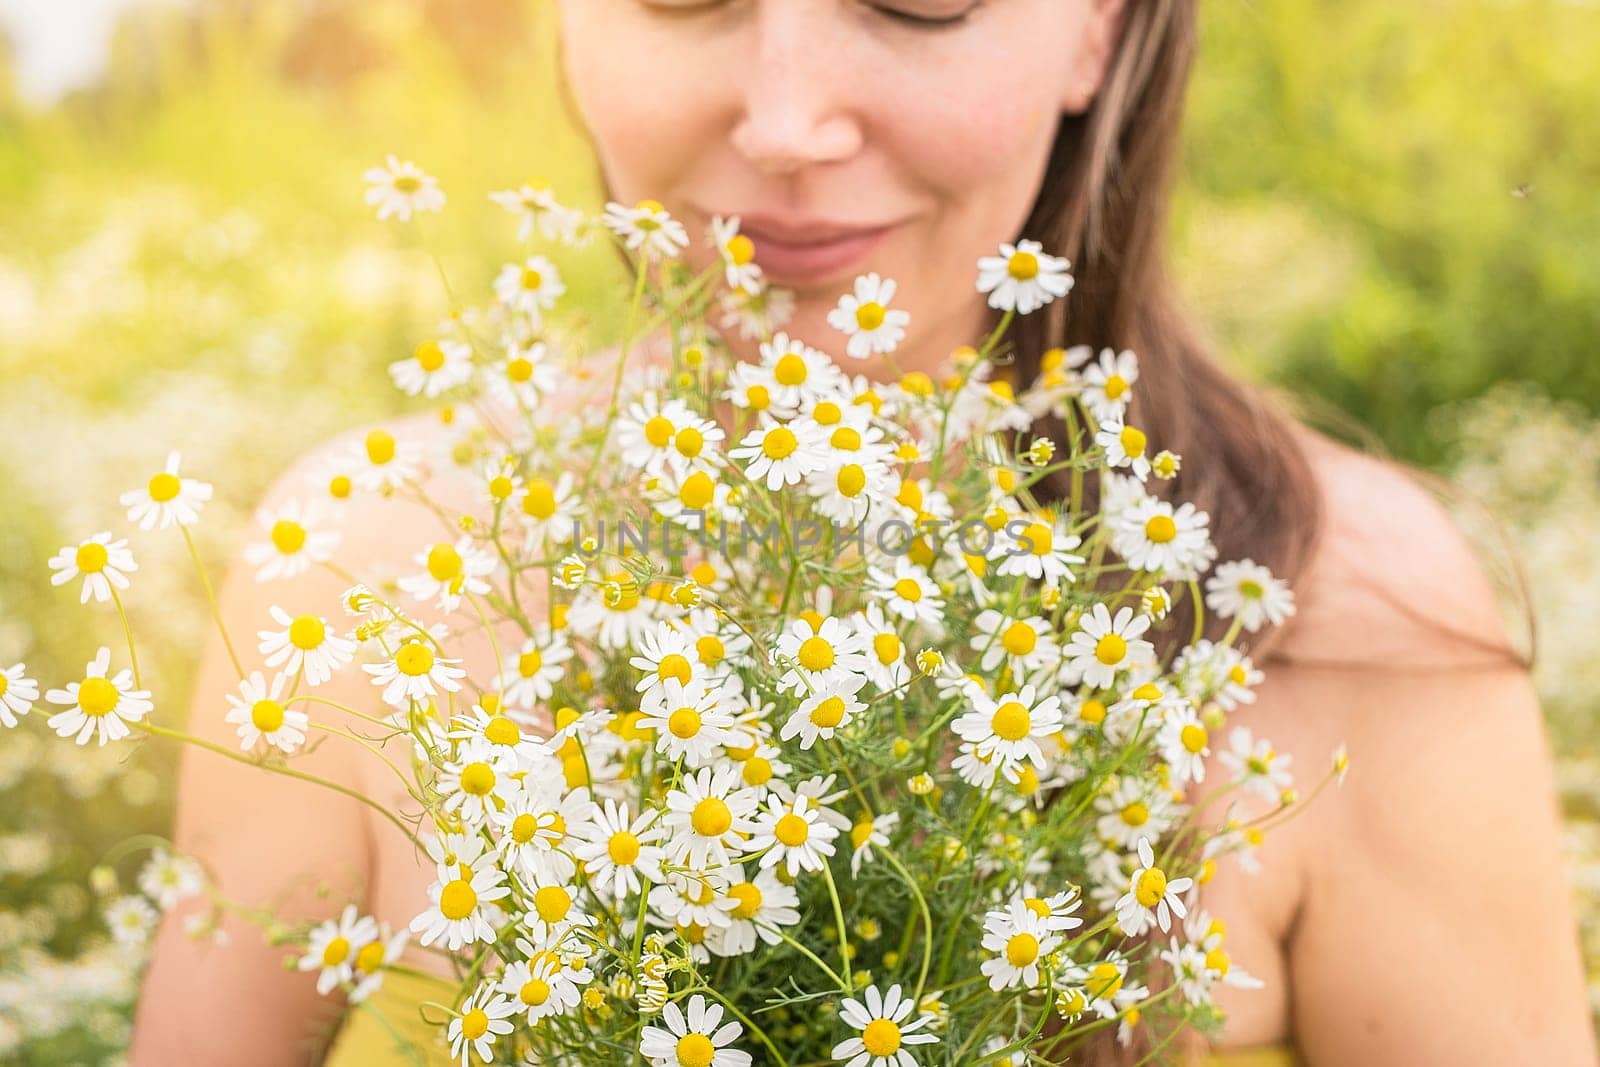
[[866, 318], [373, 958], [756, 315], [885, 650], [884, 1031], [549, 510], [1260, 766], [435, 367], [1151, 897], [1103, 646], [382, 464], [18, 693], [1018, 939], [294, 542], [167, 878], [831, 707], [1124, 447], [450, 572], [130, 919], [485, 1016], [260, 714], [1154, 536], [780, 453], [400, 188], [698, 1038], [648, 226], [617, 853], [415, 672], [531, 287], [535, 204], [738, 255], [530, 674], [868, 834], [333, 945], [762, 906], [99, 561], [1108, 384], [907, 591], [304, 644], [800, 375], [466, 885], [793, 834], [1023, 277], [98, 705], [1039, 548], [1184, 743], [1011, 725], [688, 720], [1246, 589], [166, 499]]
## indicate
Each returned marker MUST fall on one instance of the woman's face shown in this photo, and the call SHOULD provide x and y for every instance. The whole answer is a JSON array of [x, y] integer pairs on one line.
[[906, 137]]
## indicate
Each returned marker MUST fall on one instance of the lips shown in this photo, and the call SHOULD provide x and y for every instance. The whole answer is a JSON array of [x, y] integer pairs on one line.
[[810, 253]]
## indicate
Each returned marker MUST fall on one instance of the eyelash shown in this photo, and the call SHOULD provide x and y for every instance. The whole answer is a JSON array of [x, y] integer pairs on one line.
[[916, 21]]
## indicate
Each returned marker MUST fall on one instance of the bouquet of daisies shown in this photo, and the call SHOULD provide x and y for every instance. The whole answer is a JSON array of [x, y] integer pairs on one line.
[[828, 739]]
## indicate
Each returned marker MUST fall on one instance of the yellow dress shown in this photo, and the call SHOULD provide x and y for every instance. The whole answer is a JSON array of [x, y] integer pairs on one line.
[[366, 1041]]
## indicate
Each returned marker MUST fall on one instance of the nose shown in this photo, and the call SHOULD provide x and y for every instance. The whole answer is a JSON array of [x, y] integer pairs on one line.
[[797, 108]]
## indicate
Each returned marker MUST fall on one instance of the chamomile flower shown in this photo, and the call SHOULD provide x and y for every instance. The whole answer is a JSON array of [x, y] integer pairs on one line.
[[130, 919], [762, 906], [485, 1016], [1108, 384], [99, 561], [868, 834], [884, 1029], [688, 720], [1261, 767], [373, 959], [1103, 646], [907, 591], [1133, 811], [1019, 938], [531, 287], [698, 1038], [885, 651], [647, 226], [333, 945], [435, 367], [780, 453], [1184, 743], [382, 464], [540, 987], [707, 815], [535, 205], [415, 672], [1154, 536], [98, 706], [536, 821], [530, 674], [1023, 277], [1026, 645], [524, 376], [166, 499], [260, 714], [450, 572], [738, 254], [294, 542], [478, 783], [756, 315], [466, 885], [618, 854], [305, 644], [866, 318], [1011, 725], [549, 511], [818, 655], [801, 375], [1246, 589], [1151, 896], [1124, 447], [401, 188], [18, 693], [167, 878], [793, 834], [1038, 548], [831, 706]]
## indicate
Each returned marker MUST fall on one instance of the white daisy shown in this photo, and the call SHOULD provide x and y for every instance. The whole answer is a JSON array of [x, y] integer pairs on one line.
[[536, 206], [756, 314], [762, 906], [540, 987], [831, 706], [381, 463], [1124, 447], [530, 674], [794, 835], [524, 376], [1037, 548], [332, 947], [260, 714], [908, 592], [18, 693], [1023, 277], [485, 1016], [647, 225], [166, 499], [801, 375], [1153, 536], [1246, 589], [537, 820], [738, 254], [1025, 645], [697, 1039], [467, 883], [478, 782], [130, 919], [434, 368], [780, 453], [688, 720], [814, 657], [1262, 767], [867, 834], [98, 705], [549, 510], [1011, 725], [707, 815], [884, 1030], [865, 316], [1133, 811], [1151, 897], [617, 854], [99, 561], [305, 644], [167, 878], [451, 572], [415, 672], [401, 188], [293, 542], [886, 666], [1018, 938], [1102, 646], [372, 960], [1108, 384], [1184, 743], [531, 287]]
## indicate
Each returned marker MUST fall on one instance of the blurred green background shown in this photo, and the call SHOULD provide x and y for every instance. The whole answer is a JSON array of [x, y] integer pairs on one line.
[[1390, 207]]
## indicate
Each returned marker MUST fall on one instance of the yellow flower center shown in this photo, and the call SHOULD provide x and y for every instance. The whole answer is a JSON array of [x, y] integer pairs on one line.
[[1115, 386], [852, 478], [414, 659], [758, 398], [741, 250], [1011, 721], [1136, 813], [266, 715], [792, 831], [846, 439], [684, 723], [535, 993], [869, 316], [711, 817], [710, 648], [757, 771], [1110, 649], [829, 713], [1251, 589], [407, 183], [695, 1050], [1160, 529], [1193, 736], [474, 1024], [552, 903], [370, 958], [790, 369], [1041, 537], [457, 899], [519, 369], [1132, 441], [531, 279], [1023, 266], [164, 487], [1217, 960], [887, 647], [779, 443], [1237, 675], [908, 589], [530, 663], [1037, 906], [658, 430], [815, 654], [288, 536], [380, 447], [623, 848], [307, 632], [339, 486], [1092, 712], [1151, 887], [1019, 639], [540, 500], [430, 357], [860, 833], [477, 779], [749, 897], [1105, 981], [1022, 950], [690, 441], [524, 827], [881, 1037], [97, 697], [444, 562], [335, 952]]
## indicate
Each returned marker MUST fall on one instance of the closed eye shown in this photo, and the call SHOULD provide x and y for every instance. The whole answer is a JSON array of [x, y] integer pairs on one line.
[[927, 21]]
